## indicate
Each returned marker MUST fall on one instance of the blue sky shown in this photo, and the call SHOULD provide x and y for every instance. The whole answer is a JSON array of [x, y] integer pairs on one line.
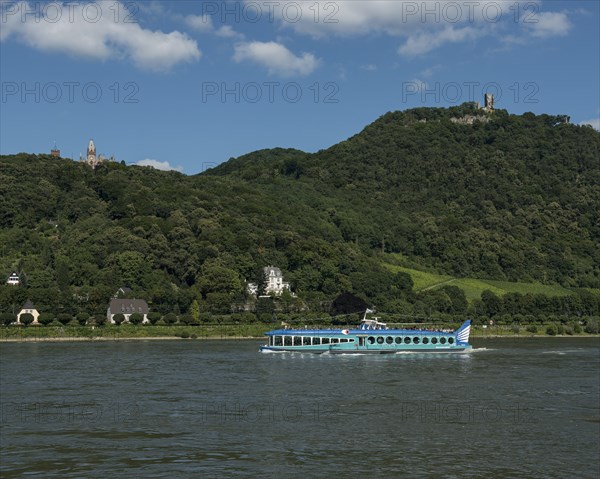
[[189, 84]]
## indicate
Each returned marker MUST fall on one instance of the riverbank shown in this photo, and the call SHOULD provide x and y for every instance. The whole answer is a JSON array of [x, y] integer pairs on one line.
[[81, 339], [210, 332], [132, 332]]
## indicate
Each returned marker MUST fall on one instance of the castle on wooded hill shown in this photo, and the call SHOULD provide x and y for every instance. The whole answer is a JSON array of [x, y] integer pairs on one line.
[[91, 158]]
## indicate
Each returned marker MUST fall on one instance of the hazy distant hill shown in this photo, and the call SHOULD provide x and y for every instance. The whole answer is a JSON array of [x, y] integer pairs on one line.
[[509, 198]]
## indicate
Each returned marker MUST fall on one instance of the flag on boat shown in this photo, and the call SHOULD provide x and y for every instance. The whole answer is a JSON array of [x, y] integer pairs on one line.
[[369, 311], [345, 331]]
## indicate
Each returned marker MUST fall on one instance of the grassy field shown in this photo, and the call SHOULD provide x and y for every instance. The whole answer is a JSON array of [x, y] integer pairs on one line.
[[473, 288]]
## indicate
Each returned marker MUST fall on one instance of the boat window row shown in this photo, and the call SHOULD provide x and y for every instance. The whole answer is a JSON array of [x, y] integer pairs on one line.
[[407, 340], [305, 340]]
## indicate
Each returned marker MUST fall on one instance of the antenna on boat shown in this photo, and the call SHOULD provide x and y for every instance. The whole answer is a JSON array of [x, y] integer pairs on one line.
[[368, 311]]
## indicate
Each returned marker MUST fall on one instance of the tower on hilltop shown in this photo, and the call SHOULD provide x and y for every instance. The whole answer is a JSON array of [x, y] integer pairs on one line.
[[91, 158], [55, 152], [488, 102]]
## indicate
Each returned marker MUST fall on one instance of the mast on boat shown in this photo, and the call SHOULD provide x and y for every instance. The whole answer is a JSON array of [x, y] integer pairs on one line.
[[371, 323]]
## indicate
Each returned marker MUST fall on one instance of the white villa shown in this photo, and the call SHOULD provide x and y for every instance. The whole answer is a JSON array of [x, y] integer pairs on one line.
[[274, 282], [28, 308]]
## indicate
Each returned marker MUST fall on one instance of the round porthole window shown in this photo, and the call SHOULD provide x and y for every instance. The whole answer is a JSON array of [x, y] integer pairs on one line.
[[389, 340], [443, 340], [450, 340], [433, 340], [398, 340], [416, 340], [406, 340], [371, 340], [380, 340], [425, 340]]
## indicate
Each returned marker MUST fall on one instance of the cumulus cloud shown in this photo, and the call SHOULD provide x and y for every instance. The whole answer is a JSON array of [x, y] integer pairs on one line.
[[200, 23], [550, 24], [276, 58], [425, 42], [227, 32], [594, 123], [75, 33], [204, 24], [424, 25], [397, 17], [159, 165]]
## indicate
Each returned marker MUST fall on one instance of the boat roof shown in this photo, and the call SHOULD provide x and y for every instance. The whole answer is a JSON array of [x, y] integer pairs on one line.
[[354, 331]]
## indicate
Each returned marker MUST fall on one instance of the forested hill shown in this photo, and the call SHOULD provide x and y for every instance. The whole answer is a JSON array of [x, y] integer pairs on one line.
[[505, 197], [516, 197]]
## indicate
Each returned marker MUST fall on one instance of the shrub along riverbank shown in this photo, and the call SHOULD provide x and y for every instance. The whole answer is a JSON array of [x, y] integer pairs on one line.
[[243, 331]]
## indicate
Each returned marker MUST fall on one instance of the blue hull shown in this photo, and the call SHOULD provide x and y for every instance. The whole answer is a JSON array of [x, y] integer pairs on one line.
[[269, 349]]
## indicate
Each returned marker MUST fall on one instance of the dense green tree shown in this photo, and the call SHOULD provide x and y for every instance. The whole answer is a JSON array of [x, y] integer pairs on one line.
[[552, 330], [403, 281], [153, 317], [46, 318], [195, 311], [187, 319], [118, 318], [491, 303], [591, 326], [458, 299], [82, 318], [7, 318], [136, 318], [214, 278], [64, 318], [26, 319]]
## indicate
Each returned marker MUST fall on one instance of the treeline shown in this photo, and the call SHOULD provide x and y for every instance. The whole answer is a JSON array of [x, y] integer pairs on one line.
[[400, 304]]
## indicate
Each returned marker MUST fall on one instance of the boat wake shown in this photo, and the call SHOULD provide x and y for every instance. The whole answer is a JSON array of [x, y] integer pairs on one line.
[[562, 352]]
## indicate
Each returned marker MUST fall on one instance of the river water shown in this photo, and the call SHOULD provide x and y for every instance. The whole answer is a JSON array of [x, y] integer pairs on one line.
[[195, 409]]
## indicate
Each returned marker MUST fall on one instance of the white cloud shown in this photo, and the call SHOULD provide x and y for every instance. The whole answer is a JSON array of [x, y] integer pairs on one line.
[[103, 39], [422, 43], [370, 67], [594, 123], [159, 165], [200, 23], [425, 25], [227, 32], [429, 72], [392, 17], [277, 58], [420, 85], [550, 24], [204, 24]]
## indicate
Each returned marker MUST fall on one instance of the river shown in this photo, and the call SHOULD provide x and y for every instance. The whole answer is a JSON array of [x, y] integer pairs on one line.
[[522, 408]]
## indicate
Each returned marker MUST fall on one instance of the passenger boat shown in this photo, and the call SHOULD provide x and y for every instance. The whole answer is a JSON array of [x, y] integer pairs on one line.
[[369, 337]]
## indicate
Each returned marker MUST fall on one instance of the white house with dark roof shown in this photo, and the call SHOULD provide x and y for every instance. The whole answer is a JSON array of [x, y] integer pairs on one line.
[[13, 279], [28, 308], [274, 282], [127, 307]]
